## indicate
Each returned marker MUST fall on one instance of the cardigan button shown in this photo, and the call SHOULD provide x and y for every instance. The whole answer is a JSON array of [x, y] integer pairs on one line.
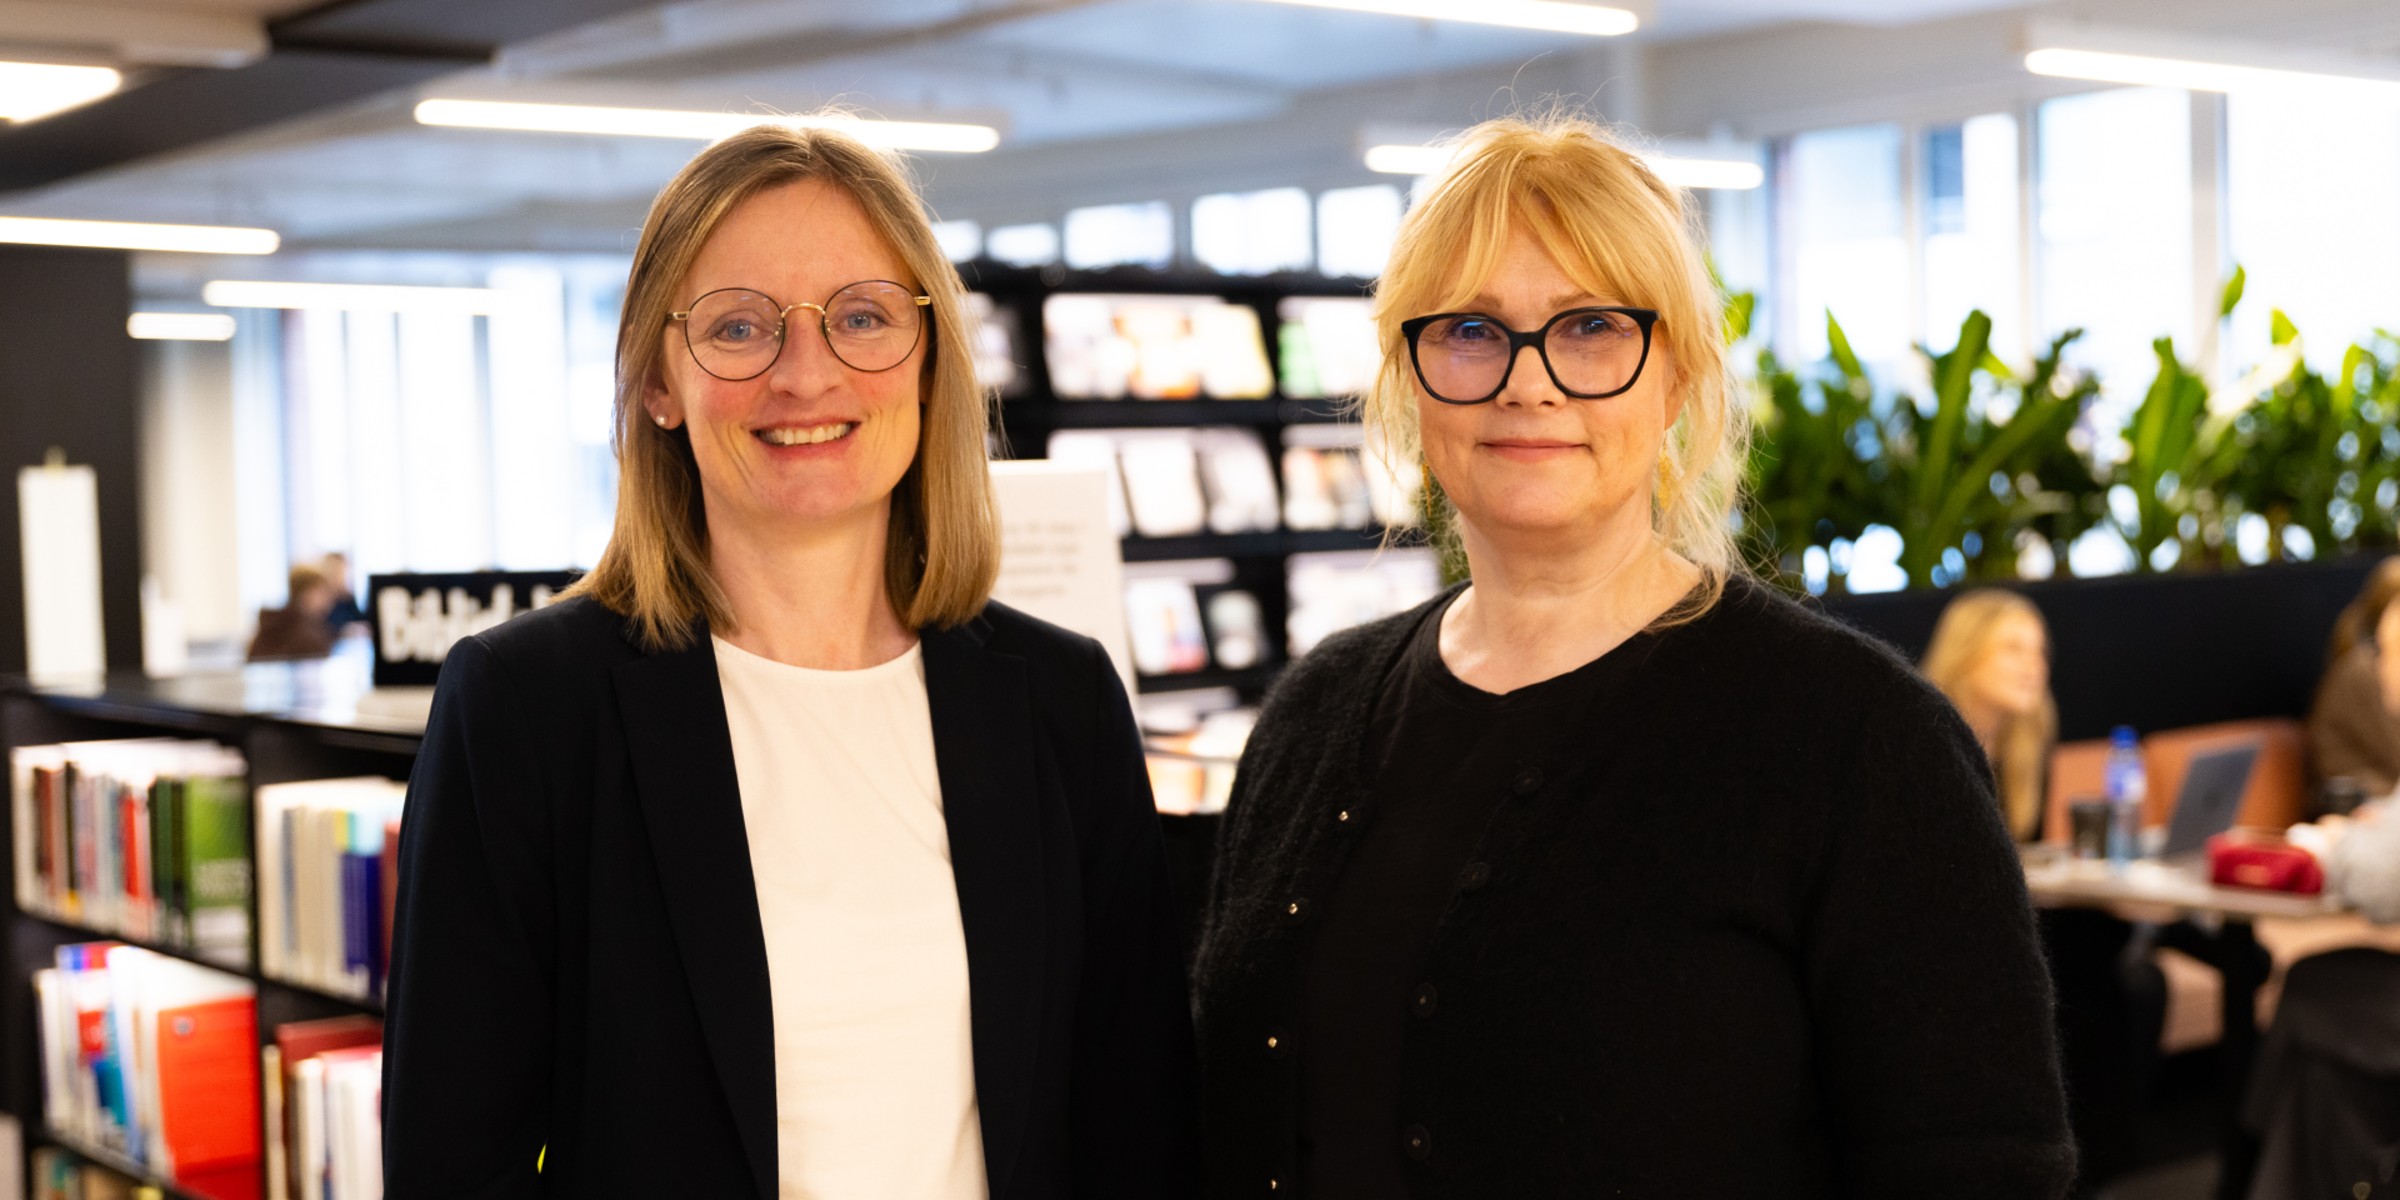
[[1274, 1184], [1528, 781], [1474, 877], [1342, 817], [1425, 1002], [1277, 1044], [1296, 911], [1418, 1142]]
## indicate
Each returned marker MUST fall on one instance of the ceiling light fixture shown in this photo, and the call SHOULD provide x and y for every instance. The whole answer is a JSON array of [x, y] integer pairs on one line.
[[30, 91], [180, 326], [1555, 16], [698, 126], [2197, 75], [354, 297], [1729, 174], [132, 235]]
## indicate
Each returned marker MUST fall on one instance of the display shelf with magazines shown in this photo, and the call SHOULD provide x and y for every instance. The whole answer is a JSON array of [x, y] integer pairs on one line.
[[1223, 411]]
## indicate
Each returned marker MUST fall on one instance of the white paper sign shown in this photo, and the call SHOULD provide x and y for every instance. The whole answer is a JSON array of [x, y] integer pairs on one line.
[[59, 524], [1059, 559]]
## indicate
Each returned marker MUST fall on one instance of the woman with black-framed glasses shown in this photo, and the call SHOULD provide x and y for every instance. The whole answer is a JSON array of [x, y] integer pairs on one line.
[[1609, 872], [777, 860]]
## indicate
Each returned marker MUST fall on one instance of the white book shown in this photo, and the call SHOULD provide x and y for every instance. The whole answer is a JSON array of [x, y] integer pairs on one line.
[[309, 1106]]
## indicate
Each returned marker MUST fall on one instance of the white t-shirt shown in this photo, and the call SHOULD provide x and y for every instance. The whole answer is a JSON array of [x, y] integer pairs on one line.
[[866, 957]]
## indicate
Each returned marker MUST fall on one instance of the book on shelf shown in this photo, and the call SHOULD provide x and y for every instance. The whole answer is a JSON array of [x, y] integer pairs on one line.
[[142, 1051], [140, 838], [1162, 482], [1329, 347], [1334, 590], [1104, 347], [321, 913], [1238, 479], [1162, 619], [325, 1129]]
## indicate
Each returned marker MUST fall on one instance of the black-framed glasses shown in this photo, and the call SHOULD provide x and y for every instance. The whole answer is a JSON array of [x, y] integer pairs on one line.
[[737, 333], [1591, 353]]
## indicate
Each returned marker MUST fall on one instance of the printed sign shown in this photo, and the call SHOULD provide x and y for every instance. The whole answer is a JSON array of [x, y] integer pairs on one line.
[[417, 618]]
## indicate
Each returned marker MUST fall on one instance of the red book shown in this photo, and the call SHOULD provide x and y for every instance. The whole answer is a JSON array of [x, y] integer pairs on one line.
[[207, 1052], [299, 1042]]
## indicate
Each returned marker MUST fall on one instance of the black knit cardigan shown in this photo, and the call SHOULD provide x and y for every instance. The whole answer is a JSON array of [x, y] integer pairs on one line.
[[1758, 932]]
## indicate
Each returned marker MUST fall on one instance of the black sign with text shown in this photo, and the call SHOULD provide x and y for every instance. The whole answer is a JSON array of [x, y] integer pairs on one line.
[[417, 618]]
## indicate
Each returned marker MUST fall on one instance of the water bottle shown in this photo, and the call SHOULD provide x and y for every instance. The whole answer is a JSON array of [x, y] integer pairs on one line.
[[2126, 785]]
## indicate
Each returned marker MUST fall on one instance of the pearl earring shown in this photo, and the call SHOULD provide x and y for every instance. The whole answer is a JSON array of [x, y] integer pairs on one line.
[[660, 418]]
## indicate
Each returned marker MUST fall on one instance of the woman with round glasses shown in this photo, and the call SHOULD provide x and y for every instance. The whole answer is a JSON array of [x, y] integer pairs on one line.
[[1608, 872], [777, 860]]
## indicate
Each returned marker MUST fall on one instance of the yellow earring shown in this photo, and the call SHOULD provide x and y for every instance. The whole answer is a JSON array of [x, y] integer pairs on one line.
[[1663, 494]]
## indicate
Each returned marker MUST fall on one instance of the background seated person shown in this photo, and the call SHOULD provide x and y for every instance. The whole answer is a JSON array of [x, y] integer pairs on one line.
[[299, 628], [2325, 1098], [1991, 656], [2353, 731]]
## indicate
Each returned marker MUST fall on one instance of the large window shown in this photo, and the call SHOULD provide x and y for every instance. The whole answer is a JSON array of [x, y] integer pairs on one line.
[[2313, 214], [2114, 223], [1972, 256], [1844, 234]]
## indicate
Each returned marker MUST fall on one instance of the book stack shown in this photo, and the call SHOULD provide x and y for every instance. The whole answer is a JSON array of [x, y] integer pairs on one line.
[[324, 1110], [145, 839], [152, 1059], [325, 847]]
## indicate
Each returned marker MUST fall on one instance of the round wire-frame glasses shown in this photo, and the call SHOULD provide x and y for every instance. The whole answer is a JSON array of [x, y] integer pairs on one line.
[[728, 334], [1603, 385]]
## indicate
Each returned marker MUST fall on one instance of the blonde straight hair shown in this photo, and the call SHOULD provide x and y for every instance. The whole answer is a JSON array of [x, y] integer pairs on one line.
[[943, 547], [1616, 229], [2021, 750]]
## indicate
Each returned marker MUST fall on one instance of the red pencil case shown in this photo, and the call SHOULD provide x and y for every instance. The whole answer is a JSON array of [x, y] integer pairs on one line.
[[2253, 860]]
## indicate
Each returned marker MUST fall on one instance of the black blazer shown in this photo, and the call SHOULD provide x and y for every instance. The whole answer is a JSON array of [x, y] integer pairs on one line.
[[578, 973]]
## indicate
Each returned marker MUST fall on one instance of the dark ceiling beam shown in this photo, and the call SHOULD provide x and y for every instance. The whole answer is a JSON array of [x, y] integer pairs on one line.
[[338, 53]]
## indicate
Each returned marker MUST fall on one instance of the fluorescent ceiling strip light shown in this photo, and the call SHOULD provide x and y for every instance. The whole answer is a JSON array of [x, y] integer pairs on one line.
[[180, 327], [698, 126], [130, 235], [29, 91], [2197, 75], [1729, 174], [1555, 16], [355, 297]]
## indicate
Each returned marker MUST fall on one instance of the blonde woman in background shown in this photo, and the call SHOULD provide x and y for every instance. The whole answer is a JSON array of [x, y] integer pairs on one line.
[[1610, 872], [1991, 656], [2354, 723]]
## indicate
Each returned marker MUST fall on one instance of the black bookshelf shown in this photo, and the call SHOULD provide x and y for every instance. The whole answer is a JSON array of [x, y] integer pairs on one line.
[[291, 721], [1030, 411]]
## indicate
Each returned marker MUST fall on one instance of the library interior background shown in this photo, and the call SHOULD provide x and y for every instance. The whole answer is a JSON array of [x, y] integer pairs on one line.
[[306, 371]]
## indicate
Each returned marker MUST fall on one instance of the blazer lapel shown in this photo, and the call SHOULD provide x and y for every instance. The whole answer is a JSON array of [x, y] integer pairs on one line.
[[984, 753], [682, 757]]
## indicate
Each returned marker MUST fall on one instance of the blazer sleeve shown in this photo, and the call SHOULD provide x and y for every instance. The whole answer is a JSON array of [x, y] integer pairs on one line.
[[1926, 978], [466, 1063], [1135, 1108]]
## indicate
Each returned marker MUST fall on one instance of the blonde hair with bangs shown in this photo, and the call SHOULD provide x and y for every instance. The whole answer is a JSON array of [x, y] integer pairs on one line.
[[942, 551], [1615, 229]]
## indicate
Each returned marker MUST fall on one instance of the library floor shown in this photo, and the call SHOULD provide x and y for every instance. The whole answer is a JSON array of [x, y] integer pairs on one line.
[[2178, 1135]]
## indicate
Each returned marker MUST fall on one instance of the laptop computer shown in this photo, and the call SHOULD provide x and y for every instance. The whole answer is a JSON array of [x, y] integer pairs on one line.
[[2210, 799]]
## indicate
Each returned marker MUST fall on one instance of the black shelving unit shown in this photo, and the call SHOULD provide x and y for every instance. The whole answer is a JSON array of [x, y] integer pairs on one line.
[[1030, 412], [290, 721]]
